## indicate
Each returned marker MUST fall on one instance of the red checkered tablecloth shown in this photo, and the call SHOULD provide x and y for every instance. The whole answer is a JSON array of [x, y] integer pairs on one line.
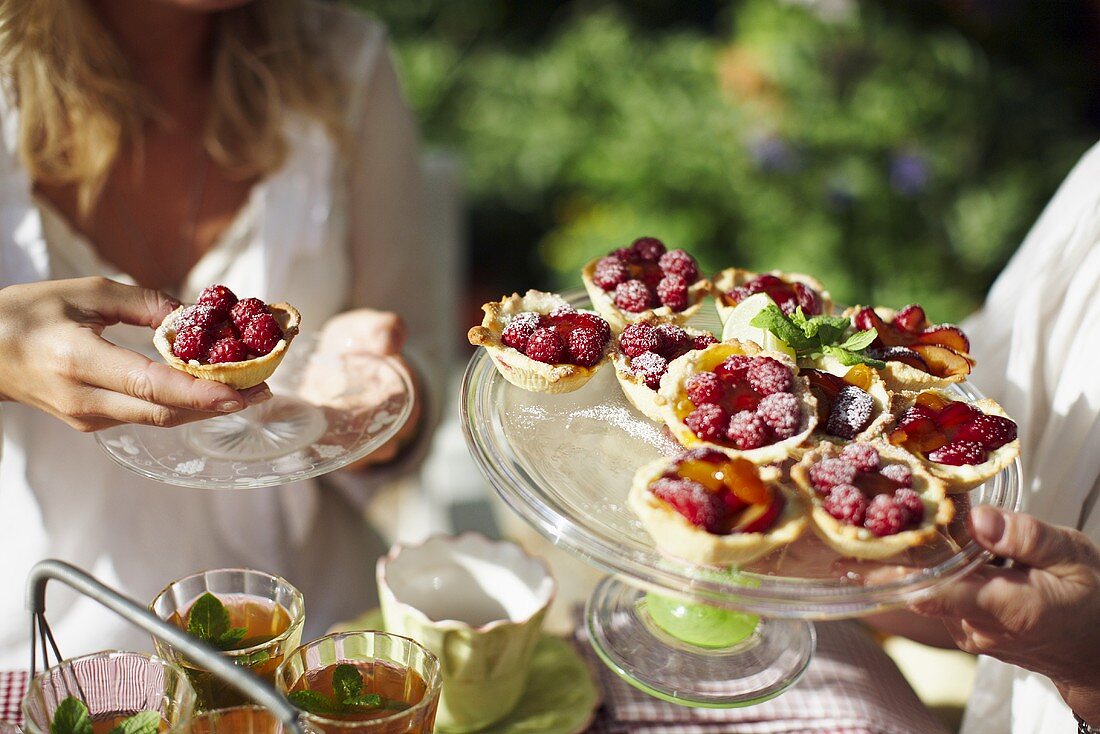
[[12, 686]]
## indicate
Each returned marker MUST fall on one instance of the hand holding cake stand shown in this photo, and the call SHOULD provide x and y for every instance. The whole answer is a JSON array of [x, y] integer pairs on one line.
[[694, 635]]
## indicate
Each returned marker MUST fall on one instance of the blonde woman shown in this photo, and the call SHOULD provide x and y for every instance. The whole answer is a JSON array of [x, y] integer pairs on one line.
[[151, 149]]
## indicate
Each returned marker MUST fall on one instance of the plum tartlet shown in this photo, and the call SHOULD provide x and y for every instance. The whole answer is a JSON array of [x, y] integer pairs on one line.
[[851, 406], [870, 499], [789, 291], [739, 399], [540, 343], [644, 280], [221, 338], [964, 444], [918, 354], [711, 509], [641, 355]]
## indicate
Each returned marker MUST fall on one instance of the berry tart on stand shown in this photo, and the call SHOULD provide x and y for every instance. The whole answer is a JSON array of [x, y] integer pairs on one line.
[[789, 291]]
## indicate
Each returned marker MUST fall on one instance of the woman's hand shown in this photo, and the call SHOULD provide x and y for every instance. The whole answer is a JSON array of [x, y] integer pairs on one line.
[[53, 357], [1043, 614]]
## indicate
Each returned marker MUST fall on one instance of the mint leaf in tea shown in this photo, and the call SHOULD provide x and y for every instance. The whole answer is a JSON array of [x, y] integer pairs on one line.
[[359, 691], [72, 717]]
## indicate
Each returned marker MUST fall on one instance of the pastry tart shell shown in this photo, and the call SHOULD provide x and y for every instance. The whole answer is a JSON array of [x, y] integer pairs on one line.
[[604, 303], [731, 278], [648, 402]]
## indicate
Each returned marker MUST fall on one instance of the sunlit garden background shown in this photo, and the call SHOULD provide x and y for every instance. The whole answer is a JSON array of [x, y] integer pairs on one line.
[[898, 150]]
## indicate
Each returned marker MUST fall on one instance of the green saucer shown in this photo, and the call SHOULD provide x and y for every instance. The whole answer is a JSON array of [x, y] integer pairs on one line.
[[561, 696]]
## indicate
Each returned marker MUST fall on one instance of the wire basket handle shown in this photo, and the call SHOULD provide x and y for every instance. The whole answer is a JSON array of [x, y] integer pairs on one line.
[[202, 654]]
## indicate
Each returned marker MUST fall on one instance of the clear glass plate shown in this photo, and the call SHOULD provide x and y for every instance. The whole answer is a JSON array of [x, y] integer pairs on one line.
[[327, 411]]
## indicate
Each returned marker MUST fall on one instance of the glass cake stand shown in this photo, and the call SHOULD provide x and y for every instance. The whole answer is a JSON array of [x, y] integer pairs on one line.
[[692, 635], [327, 411]]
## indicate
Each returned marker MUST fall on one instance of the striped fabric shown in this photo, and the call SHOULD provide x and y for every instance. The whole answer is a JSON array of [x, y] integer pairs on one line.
[[12, 686]]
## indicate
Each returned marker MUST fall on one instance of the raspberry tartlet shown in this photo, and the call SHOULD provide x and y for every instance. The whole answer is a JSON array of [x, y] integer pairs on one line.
[[221, 338], [870, 499], [789, 291], [964, 444], [645, 280], [853, 403], [540, 343], [739, 399], [641, 355], [918, 354], [711, 509]]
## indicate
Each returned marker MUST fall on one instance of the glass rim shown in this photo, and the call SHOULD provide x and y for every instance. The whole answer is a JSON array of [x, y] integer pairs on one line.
[[296, 621], [435, 686]]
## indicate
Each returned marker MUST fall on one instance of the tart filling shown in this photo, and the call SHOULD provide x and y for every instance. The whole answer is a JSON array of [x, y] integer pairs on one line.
[[871, 499], [707, 508], [540, 343], [645, 280], [964, 444], [789, 291], [918, 354], [736, 398], [641, 355], [853, 403]]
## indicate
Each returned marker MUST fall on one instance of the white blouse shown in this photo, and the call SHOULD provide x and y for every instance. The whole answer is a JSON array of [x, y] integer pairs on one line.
[[327, 231], [1037, 341]]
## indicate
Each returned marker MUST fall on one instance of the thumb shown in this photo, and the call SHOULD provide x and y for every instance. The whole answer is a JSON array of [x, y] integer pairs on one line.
[[111, 303], [1022, 538]]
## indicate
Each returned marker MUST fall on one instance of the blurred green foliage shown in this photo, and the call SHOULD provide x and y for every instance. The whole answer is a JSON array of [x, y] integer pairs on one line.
[[891, 154]]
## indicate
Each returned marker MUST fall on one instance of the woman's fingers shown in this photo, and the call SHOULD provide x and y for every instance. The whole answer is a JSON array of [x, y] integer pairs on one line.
[[1024, 539], [105, 302]]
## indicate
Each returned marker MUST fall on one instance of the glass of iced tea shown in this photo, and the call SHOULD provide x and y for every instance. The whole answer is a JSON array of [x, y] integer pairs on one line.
[[234, 720], [363, 683], [254, 618], [106, 689]]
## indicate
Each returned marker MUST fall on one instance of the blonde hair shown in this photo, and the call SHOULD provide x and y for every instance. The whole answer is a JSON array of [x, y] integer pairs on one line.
[[80, 104]]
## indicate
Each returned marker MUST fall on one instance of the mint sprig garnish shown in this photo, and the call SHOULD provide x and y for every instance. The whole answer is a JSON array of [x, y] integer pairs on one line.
[[209, 621], [72, 717], [814, 337], [347, 698]]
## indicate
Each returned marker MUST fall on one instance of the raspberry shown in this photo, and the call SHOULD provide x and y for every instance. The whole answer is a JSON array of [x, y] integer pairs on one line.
[[958, 453], [626, 255], [711, 456], [651, 275], [593, 320], [767, 376], [851, 412], [562, 312], [885, 516], [673, 292], [545, 345], [807, 299], [910, 319], [191, 343], [847, 504], [649, 249], [651, 367], [708, 422], [245, 311], [584, 347], [738, 294], [262, 334], [747, 430], [703, 340], [703, 388], [699, 506], [828, 473], [672, 341], [228, 349], [520, 329], [991, 431], [218, 297], [911, 503], [782, 413], [734, 367], [863, 456], [223, 330], [634, 296], [899, 474], [678, 262], [200, 315], [639, 338], [609, 272]]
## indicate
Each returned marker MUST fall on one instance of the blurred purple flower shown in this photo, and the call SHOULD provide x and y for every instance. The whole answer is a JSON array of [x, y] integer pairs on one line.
[[772, 154], [909, 173]]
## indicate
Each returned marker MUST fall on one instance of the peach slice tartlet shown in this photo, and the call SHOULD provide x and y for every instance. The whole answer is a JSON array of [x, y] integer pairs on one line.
[[789, 291], [964, 444], [236, 342], [853, 403], [739, 399], [540, 343], [918, 354], [645, 280], [870, 499], [642, 353], [711, 509]]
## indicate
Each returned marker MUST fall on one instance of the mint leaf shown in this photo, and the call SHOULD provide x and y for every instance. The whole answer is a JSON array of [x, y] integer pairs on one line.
[[208, 619], [860, 340], [143, 722], [365, 701], [848, 358], [228, 639], [826, 329], [314, 702], [251, 661], [347, 682], [773, 320], [71, 717]]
